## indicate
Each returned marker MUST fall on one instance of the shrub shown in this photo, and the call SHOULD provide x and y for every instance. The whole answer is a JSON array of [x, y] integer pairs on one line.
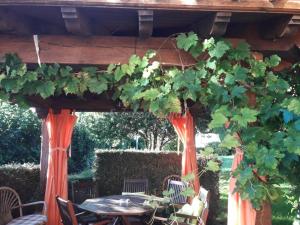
[[113, 166], [24, 178]]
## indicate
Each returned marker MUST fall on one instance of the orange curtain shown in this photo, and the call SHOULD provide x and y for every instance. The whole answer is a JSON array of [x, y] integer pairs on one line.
[[60, 129], [240, 212], [184, 127]]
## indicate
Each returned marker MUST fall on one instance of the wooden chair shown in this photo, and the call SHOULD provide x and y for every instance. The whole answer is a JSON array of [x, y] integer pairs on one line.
[[10, 201], [177, 197], [68, 216], [168, 178], [135, 185], [204, 196]]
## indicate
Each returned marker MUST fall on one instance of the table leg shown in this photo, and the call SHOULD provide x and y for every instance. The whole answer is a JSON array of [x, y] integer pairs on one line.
[[125, 220]]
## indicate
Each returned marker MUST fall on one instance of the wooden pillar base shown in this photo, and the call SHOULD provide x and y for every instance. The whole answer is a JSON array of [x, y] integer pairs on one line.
[[264, 216]]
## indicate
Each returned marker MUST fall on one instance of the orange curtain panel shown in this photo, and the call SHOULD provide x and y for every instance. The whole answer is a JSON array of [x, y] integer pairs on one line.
[[60, 128], [184, 127], [240, 212]]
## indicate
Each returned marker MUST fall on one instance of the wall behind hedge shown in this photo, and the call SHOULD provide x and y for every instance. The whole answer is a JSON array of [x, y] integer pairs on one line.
[[24, 178], [112, 167]]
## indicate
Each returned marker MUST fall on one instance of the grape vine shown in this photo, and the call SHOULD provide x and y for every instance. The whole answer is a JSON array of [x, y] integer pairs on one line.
[[245, 96]]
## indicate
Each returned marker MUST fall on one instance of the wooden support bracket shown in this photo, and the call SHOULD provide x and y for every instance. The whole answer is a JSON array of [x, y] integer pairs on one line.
[[145, 23], [214, 24], [75, 21]]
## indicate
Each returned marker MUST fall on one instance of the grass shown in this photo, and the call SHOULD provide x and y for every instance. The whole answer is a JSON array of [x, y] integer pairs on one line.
[[281, 210]]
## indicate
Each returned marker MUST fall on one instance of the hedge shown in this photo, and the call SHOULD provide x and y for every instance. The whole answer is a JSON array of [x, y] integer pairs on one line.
[[112, 167], [24, 178]]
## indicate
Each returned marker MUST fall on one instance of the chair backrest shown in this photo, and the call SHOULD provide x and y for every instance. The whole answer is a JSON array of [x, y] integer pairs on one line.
[[204, 196], [135, 185], [168, 178], [82, 190], [177, 187], [9, 199], [66, 210]]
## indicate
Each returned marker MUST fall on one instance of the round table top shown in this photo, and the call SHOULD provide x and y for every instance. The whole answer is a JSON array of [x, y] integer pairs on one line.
[[116, 205]]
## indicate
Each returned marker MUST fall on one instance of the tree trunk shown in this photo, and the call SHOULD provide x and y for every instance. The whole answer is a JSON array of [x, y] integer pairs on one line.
[[44, 155]]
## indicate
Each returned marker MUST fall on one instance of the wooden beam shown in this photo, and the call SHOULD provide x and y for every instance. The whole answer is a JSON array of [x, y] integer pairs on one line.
[[145, 23], [12, 23], [75, 21], [278, 6], [104, 50], [92, 50], [88, 103]]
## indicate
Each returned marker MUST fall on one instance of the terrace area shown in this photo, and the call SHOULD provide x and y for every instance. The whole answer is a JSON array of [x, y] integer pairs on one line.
[[150, 75]]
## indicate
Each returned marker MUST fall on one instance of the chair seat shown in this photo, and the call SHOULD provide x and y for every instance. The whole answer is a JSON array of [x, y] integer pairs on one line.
[[35, 219]]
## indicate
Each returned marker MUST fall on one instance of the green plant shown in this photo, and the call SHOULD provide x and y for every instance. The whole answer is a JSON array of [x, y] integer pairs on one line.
[[243, 94]]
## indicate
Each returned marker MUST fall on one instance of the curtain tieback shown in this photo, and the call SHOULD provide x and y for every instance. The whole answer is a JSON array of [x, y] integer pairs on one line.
[[58, 149]]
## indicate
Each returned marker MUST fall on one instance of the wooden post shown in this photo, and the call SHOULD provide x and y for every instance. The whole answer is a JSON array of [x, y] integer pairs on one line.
[[42, 113], [264, 216]]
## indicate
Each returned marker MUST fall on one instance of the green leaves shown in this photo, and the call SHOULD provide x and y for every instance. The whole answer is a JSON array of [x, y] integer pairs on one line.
[[229, 142], [273, 61], [293, 105], [238, 91], [186, 41], [97, 86], [148, 95], [218, 120], [219, 50], [46, 89], [245, 116]]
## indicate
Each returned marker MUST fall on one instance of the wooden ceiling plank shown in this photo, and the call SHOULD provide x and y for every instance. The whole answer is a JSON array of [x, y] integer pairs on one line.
[[12, 23], [276, 27], [278, 6], [75, 21], [145, 23]]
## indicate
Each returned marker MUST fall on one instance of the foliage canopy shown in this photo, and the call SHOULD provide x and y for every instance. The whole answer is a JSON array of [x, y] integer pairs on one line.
[[244, 95]]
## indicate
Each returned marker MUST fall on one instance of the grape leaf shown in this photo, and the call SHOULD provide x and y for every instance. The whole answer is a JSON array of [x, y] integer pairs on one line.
[[46, 89], [238, 91], [72, 86], [97, 86], [219, 50], [213, 166], [218, 120], [186, 41], [229, 142], [273, 61], [119, 74]]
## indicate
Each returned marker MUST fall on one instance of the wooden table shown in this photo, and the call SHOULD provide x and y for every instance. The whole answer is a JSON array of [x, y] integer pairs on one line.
[[112, 206]]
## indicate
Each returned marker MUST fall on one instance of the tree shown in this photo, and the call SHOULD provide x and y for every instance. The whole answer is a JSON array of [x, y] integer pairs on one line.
[[117, 130], [19, 135]]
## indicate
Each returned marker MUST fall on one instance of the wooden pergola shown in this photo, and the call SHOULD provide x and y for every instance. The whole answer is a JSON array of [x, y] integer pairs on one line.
[[100, 32]]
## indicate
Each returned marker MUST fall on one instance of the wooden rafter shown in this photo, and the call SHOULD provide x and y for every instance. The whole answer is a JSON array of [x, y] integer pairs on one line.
[[278, 6], [75, 21], [104, 50], [145, 23], [12, 23]]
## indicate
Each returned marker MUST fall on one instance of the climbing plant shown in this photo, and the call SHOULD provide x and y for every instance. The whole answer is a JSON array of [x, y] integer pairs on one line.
[[244, 94]]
